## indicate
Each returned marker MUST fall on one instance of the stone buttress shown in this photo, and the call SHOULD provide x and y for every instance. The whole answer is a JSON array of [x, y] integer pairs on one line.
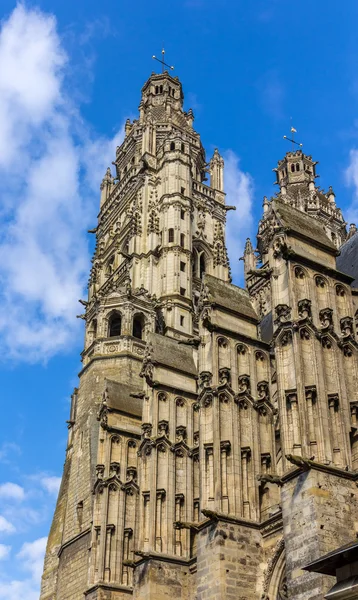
[[213, 447]]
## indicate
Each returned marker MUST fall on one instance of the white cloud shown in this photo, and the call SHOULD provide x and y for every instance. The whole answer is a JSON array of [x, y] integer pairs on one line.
[[32, 557], [6, 526], [4, 551], [7, 452], [46, 153], [13, 590], [239, 191], [351, 214], [12, 491], [51, 484]]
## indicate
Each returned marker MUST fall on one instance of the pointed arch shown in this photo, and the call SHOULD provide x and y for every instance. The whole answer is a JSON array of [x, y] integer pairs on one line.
[[114, 323], [138, 326], [202, 259]]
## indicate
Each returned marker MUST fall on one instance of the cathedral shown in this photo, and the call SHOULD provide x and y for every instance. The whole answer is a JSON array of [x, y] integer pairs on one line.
[[213, 438]]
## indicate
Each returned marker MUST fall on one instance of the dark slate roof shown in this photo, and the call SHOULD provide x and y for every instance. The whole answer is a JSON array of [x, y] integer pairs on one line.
[[266, 328], [347, 261], [302, 224], [119, 397], [329, 563], [167, 352], [230, 296]]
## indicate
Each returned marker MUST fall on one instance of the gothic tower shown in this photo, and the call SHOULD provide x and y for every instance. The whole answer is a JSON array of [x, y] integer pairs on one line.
[[212, 448]]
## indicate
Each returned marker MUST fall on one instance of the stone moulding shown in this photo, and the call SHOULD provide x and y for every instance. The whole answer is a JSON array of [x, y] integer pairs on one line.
[[73, 540]]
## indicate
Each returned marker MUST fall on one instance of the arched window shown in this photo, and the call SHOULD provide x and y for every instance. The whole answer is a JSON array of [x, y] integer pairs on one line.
[[182, 240], [202, 265], [138, 326], [182, 148], [171, 235], [156, 89], [297, 167], [172, 146], [115, 325], [161, 89], [292, 168], [125, 246], [92, 331]]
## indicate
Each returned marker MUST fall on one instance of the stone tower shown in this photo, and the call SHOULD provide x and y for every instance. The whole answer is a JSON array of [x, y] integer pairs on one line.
[[212, 449]]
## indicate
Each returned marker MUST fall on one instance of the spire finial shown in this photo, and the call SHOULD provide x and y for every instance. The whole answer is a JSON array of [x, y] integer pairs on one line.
[[161, 60], [292, 139]]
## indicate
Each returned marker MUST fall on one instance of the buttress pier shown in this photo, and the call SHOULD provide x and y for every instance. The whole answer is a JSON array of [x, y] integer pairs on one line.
[[213, 440]]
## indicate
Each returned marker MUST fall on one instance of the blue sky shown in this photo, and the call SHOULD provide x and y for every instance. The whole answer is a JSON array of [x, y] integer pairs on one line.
[[70, 74]]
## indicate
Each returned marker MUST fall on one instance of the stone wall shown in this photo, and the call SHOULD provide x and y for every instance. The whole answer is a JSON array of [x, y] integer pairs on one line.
[[73, 569], [319, 514]]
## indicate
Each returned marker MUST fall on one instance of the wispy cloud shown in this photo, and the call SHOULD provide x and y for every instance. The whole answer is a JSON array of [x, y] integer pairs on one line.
[[4, 551], [239, 193], [12, 491], [30, 560], [271, 92], [7, 452], [351, 176], [48, 203], [5, 526], [51, 484]]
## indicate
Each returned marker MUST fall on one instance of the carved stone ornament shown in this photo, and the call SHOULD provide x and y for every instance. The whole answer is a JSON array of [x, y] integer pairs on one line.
[[207, 401], [225, 446], [99, 471], [180, 433], [304, 333], [244, 384], [241, 349], [286, 337], [340, 290], [224, 375], [114, 468], [147, 430], [263, 390], [163, 427], [326, 317], [304, 309], [132, 473], [205, 379], [320, 281], [283, 313], [333, 401], [299, 273], [243, 404], [326, 342], [224, 398], [346, 326], [279, 246], [347, 350]]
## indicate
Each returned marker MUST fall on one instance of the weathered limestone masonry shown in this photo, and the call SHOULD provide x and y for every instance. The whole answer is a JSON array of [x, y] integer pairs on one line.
[[213, 440]]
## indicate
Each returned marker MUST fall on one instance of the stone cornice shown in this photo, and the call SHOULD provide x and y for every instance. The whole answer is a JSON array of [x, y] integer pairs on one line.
[[305, 464], [291, 256], [239, 336], [109, 586], [73, 540]]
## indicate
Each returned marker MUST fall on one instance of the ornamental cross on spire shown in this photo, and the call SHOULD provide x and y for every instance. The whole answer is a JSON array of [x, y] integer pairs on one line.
[[161, 60], [292, 139]]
